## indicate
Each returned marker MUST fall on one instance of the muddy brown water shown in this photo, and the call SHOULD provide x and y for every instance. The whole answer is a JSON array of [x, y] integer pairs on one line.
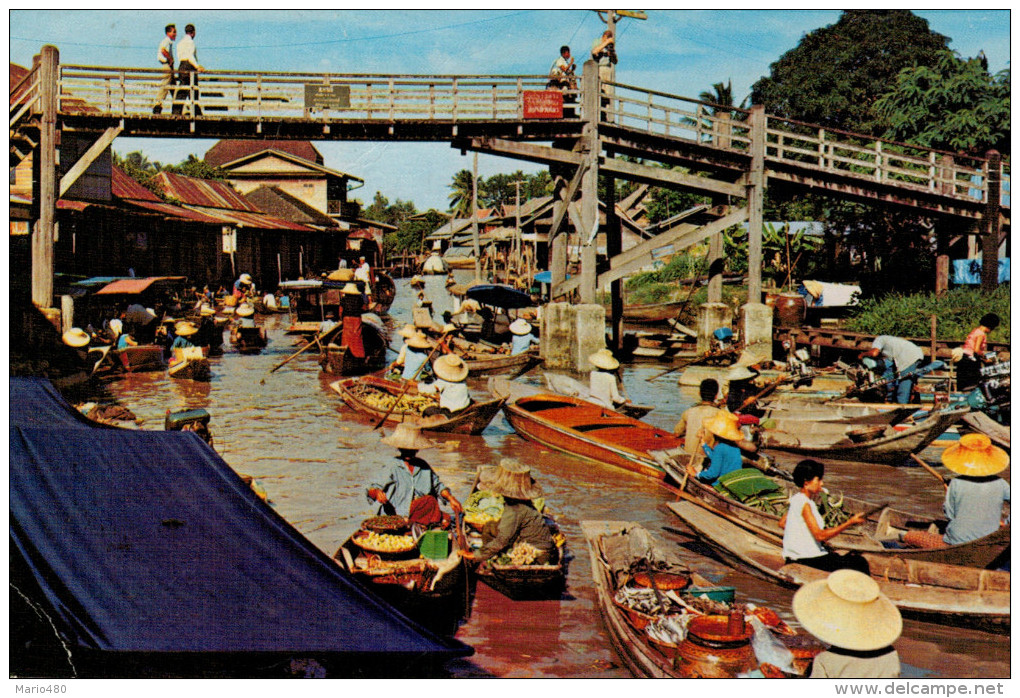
[[315, 457]]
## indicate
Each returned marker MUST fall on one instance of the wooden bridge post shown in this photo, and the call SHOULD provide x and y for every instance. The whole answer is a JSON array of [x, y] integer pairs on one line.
[[587, 238], [756, 203], [44, 186], [614, 246], [991, 223]]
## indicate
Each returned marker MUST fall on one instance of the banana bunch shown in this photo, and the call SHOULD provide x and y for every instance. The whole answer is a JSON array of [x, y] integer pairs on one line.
[[385, 542], [384, 401]]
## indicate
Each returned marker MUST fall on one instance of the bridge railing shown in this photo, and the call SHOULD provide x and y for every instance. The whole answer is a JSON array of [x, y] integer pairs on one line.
[[265, 95], [796, 143], [25, 96]]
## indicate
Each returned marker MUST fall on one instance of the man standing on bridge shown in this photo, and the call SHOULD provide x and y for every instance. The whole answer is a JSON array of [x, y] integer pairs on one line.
[[188, 71], [166, 59]]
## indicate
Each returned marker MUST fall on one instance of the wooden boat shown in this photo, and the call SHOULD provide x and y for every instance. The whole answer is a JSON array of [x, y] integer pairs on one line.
[[248, 340], [882, 523], [589, 431], [512, 390], [384, 290], [646, 656], [431, 592], [191, 364], [831, 440], [523, 582], [952, 595], [981, 422], [368, 395], [144, 357], [650, 313], [336, 360], [481, 363]]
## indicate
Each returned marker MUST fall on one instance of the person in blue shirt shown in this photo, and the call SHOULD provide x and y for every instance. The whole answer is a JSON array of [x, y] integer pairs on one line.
[[412, 488], [184, 331], [720, 433], [416, 355], [522, 336]]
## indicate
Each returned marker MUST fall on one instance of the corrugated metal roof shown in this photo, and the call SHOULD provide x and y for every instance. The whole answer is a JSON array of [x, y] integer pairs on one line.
[[132, 286], [252, 219], [191, 191], [124, 187], [72, 205], [174, 211]]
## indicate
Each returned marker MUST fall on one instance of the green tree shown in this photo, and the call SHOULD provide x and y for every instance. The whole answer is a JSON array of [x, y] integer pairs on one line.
[[955, 104], [835, 74], [722, 95], [196, 167], [460, 196]]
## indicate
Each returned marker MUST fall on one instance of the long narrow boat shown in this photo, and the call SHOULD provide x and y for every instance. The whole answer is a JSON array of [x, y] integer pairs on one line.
[[883, 524], [891, 447], [189, 364], [480, 363], [248, 340], [337, 360], [137, 359], [372, 396], [952, 595], [651, 313], [561, 385], [587, 430], [628, 630], [432, 592]]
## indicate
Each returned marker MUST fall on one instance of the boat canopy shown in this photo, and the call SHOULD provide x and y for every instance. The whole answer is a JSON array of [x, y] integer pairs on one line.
[[147, 541], [134, 286], [500, 296]]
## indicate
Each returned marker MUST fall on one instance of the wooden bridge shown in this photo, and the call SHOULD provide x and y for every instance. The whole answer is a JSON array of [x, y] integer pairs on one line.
[[734, 152]]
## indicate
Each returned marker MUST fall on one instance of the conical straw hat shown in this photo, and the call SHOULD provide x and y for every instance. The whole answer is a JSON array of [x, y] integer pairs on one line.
[[408, 438], [511, 479], [450, 367], [975, 455], [419, 341], [76, 337], [724, 424], [848, 610], [604, 359], [520, 326]]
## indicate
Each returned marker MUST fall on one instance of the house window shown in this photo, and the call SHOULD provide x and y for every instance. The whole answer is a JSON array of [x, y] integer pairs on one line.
[[229, 239]]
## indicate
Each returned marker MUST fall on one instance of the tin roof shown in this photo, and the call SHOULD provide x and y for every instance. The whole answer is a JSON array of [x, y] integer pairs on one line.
[[280, 204], [125, 187], [250, 219], [230, 150], [135, 286], [191, 191], [174, 211]]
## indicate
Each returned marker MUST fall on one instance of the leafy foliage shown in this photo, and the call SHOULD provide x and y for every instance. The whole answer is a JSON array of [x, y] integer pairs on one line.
[[786, 257], [196, 167], [835, 73], [955, 104], [496, 191], [957, 311]]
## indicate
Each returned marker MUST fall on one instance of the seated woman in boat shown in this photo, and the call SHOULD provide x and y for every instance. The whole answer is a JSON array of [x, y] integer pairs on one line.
[[245, 315], [413, 355], [352, 303], [602, 380], [269, 301], [974, 499], [848, 612], [968, 366], [451, 376], [740, 388], [522, 336], [124, 340], [694, 417], [719, 435], [412, 488], [78, 339], [520, 522], [804, 529], [183, 332]]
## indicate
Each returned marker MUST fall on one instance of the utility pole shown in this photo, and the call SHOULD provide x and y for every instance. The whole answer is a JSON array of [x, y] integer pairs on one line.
[[474, 217], [611, 18], [517, 228]]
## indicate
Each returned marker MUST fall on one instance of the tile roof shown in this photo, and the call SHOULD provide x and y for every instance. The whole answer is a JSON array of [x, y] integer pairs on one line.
[[229, 150]]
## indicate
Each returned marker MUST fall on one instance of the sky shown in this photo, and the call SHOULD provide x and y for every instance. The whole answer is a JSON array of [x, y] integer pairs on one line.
[[676, 51]]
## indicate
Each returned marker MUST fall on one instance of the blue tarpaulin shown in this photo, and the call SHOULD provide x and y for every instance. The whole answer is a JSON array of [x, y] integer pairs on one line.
[[968, 271], [147, 541]]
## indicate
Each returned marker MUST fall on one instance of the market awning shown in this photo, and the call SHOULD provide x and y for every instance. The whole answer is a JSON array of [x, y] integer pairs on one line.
[[136, 286]]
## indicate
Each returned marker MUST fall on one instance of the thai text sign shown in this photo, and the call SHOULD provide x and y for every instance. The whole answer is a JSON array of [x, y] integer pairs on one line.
[[327, 96], [544, 104]]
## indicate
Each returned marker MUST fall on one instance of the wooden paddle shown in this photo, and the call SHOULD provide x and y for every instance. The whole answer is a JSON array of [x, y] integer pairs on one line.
[[930, 470], [702, 357], [412, 379], [772, 385], [313, 342], [528, 365]]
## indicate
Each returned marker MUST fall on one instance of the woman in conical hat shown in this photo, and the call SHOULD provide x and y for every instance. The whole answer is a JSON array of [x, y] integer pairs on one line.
[[848, 611], [522, 336], [521, 522], [451, 372], [413, 487], [719, 434], [974, 498], [76, 337], [602, 379]]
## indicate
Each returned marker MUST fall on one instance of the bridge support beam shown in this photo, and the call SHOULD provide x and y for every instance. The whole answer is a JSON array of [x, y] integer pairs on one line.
[[614, 245], [589, 224], [44, 185], [991, 224], [756, 204]]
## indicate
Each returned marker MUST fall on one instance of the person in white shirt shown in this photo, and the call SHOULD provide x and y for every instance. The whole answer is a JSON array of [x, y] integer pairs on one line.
[[451, 374], [602, 380], [363, 272], [165, 56], [189, 67]]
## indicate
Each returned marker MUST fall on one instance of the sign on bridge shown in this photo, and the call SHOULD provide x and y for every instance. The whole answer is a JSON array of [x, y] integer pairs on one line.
[[330, 97], [544, 104]]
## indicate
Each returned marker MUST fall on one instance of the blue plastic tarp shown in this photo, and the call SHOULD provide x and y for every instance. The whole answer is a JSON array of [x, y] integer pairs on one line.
[[148, 541], [968, 271]]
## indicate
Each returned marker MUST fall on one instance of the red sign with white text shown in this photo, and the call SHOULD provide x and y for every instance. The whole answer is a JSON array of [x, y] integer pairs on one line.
[[545, 104]]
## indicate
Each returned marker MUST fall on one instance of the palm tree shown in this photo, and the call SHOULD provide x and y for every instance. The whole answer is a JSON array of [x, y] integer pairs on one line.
[[460, 198], [722, 95]]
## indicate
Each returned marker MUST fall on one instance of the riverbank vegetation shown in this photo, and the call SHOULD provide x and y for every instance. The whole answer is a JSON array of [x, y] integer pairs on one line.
[[957, 312]]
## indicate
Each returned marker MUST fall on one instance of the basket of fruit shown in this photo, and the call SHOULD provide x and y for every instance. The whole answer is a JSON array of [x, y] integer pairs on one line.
[[383, 543], [387, 524]]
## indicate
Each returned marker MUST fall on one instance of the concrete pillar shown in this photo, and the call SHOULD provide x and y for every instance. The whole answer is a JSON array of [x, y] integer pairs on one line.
[[756, 329], [587, 238], [711, 316], [570, 334]]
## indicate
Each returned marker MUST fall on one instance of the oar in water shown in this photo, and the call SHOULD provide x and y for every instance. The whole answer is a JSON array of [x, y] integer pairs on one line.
[[930, 470], [313, 342], [772, 385], [412, 379], [685, 364]]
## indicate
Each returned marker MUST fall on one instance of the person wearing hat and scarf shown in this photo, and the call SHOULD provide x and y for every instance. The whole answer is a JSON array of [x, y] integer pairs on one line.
[[602, 380], [522, 336], [804, 529], [849, 612], [694, 417], [719, 434], [412, 488], [78, 339], [243, 287], [451, 374], [974, 498], [352, 302], [407, 331], [520, 522], [740, 380]]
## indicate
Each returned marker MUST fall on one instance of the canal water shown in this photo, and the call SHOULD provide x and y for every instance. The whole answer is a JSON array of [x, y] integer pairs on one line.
[[314, 457]]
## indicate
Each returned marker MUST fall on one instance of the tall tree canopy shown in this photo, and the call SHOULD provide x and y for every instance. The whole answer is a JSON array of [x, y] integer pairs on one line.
[[835, 74], [955, 105]]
